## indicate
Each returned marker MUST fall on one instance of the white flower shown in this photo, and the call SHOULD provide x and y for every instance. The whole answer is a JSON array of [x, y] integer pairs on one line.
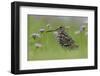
[[48, 25], [35, 35], [77, 32], [42, 30], [38, 45], [82, 27]]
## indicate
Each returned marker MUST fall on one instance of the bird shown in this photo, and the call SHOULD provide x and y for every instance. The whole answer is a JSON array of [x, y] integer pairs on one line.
[[63, 38]]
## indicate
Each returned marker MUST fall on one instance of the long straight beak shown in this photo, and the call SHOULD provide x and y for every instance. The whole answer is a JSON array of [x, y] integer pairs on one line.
[[51, 30]]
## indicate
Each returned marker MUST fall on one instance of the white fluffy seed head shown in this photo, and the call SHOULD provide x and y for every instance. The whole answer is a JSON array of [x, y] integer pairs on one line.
[[36, 35], [38, 45], [82, 27], [42, 30]]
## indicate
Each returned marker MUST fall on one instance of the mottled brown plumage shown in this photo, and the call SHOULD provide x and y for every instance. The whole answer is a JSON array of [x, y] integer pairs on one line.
[[64, 39]]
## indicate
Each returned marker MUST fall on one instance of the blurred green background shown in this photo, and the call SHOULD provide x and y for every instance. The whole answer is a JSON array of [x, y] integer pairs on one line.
[[51, 49]]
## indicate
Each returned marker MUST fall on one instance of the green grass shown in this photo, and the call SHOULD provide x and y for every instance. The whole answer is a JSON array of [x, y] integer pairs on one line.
[[51, 49]]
